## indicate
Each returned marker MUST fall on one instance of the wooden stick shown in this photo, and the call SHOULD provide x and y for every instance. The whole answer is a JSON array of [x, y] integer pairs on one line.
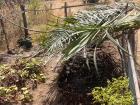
[[5, 35]]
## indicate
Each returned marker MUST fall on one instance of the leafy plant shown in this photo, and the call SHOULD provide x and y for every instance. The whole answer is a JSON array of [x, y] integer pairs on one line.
[[25, 96], [14, 80], [116, 93], [32, 70], [8, 75], [7, 94]]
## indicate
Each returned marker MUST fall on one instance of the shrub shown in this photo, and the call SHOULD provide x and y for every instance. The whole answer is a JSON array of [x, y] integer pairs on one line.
[[32, 70], [116, 93], [7, 94]]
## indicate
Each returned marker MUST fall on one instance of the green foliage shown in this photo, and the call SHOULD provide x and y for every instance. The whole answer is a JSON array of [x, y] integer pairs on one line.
[[25, 96], [116, 93], [32, 70], [94, 26], [5, 72], [14, 80], [103, 23], [8, 93]]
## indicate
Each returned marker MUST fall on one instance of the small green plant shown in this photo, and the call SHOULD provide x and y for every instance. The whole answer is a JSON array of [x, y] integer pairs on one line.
[[15, 79], [32, 70], [25, 96], [8, 93], [116, 93]]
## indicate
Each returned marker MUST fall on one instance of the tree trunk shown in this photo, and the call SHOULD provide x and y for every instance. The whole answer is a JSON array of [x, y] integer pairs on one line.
[[5, 35], [22, 7]]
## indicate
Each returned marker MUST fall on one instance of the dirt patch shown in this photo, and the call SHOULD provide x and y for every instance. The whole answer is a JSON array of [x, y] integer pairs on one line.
[[45, 94], [79, 76]]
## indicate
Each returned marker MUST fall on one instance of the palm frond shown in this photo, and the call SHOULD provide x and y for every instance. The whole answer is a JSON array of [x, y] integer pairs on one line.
[[93, 26]]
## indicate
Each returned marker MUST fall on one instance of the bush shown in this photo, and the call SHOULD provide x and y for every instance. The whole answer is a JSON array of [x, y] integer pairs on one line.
[[116, 93]]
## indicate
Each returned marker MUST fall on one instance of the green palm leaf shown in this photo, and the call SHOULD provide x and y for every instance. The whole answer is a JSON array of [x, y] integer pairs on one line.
[[93, 26]]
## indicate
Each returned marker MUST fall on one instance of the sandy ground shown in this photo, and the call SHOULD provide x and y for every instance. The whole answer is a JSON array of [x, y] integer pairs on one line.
[[45, 94]]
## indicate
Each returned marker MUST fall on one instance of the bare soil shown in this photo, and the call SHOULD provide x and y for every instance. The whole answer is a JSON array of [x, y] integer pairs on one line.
[[46, 93]]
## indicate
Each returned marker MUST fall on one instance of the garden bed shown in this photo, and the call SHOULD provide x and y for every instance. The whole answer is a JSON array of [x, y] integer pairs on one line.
[[78, 75]]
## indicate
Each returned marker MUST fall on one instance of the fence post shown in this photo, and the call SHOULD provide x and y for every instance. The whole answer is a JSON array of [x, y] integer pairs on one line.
[[22, 7], [5, 35], [133, 75], [65, 9], [132, 42]]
